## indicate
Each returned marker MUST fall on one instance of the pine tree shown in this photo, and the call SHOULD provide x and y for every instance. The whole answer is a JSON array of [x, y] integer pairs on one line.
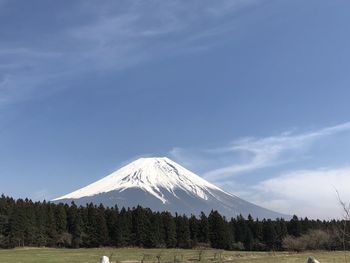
[[74, 224], [194, 231], [101, 230], [270, 236], [32, 231], [51, 232], [17, 225], [295, 227], [24, 223], [124, 228], [219, 232], [232, 229], [5, 210], [61, 218], [155, 229], [258, 236], [248, 239], [248, 234], [63, 237], [140, 223], [40, 222], [281, 232], [182, 232], [203, 229], [169, 229], [112, 225], [91, 239], [305, 225], [240, 229], [258, 230]]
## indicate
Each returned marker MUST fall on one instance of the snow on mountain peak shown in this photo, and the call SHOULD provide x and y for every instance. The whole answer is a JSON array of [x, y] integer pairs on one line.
[[153, 175]]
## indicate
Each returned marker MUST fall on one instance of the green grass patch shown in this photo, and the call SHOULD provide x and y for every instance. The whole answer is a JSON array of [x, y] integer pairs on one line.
[[48, 255]]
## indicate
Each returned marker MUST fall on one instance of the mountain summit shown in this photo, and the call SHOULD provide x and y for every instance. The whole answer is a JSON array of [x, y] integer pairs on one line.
[[163, 185]]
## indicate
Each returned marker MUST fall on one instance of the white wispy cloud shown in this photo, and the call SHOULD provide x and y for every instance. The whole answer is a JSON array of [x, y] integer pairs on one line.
[[267, 152], [11, 86], [309, 193], [290, 188], [149, 30], [112, 37]]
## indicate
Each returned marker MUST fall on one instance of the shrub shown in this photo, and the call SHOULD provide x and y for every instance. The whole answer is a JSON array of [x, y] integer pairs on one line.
[[314, 239]]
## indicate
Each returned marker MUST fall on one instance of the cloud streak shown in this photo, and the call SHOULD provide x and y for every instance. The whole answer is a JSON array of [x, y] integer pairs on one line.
[[267, 152], [285, 185], [309, 193], [110, 37]]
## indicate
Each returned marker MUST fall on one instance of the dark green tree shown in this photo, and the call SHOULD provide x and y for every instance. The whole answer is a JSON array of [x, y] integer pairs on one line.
[[219, 231], [203, 229], [61, 218], [169, 229], [140, 226], [155, 231], [182, 231], [74, 225], [17, 224], [112, 225], [270, 235], [124, 227], [295, 227], [194, 230], [101, 230]]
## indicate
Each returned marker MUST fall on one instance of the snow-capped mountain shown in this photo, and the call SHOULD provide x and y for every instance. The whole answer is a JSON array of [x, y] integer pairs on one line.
[[163, 185]]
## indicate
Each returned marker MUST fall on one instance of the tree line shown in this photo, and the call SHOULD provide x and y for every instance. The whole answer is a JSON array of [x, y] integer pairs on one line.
[[28, 223]]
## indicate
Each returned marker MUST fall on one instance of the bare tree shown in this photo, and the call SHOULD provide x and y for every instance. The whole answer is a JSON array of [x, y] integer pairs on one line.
[[346, 218]]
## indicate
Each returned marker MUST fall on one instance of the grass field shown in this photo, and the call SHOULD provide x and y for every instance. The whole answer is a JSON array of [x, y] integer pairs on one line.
[[41, 255]]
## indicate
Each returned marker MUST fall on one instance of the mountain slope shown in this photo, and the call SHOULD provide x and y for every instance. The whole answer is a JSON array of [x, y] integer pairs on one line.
[[163, 185]]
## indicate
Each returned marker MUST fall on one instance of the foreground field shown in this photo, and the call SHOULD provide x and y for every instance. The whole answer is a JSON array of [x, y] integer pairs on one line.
[[41, 255]]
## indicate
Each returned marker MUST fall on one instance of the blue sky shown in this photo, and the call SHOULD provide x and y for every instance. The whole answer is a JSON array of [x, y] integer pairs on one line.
[[253, 95]]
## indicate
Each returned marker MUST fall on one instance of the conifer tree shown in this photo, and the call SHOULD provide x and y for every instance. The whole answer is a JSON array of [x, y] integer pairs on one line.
[[219, 234], [155, 230], [281, 232], [63, 237], [61, 218], [24, 223], [248, 234], [182, 231], [258, 230], [203, 229], [50, 226], [101, 230], [169, 229], [124, 228], [40, 223], [140, 223], [74, 224], [91, 237], [17, 225], [194, 231], [3, 221], [295, 227], [270, 235], [241, 229], [112, 225]]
